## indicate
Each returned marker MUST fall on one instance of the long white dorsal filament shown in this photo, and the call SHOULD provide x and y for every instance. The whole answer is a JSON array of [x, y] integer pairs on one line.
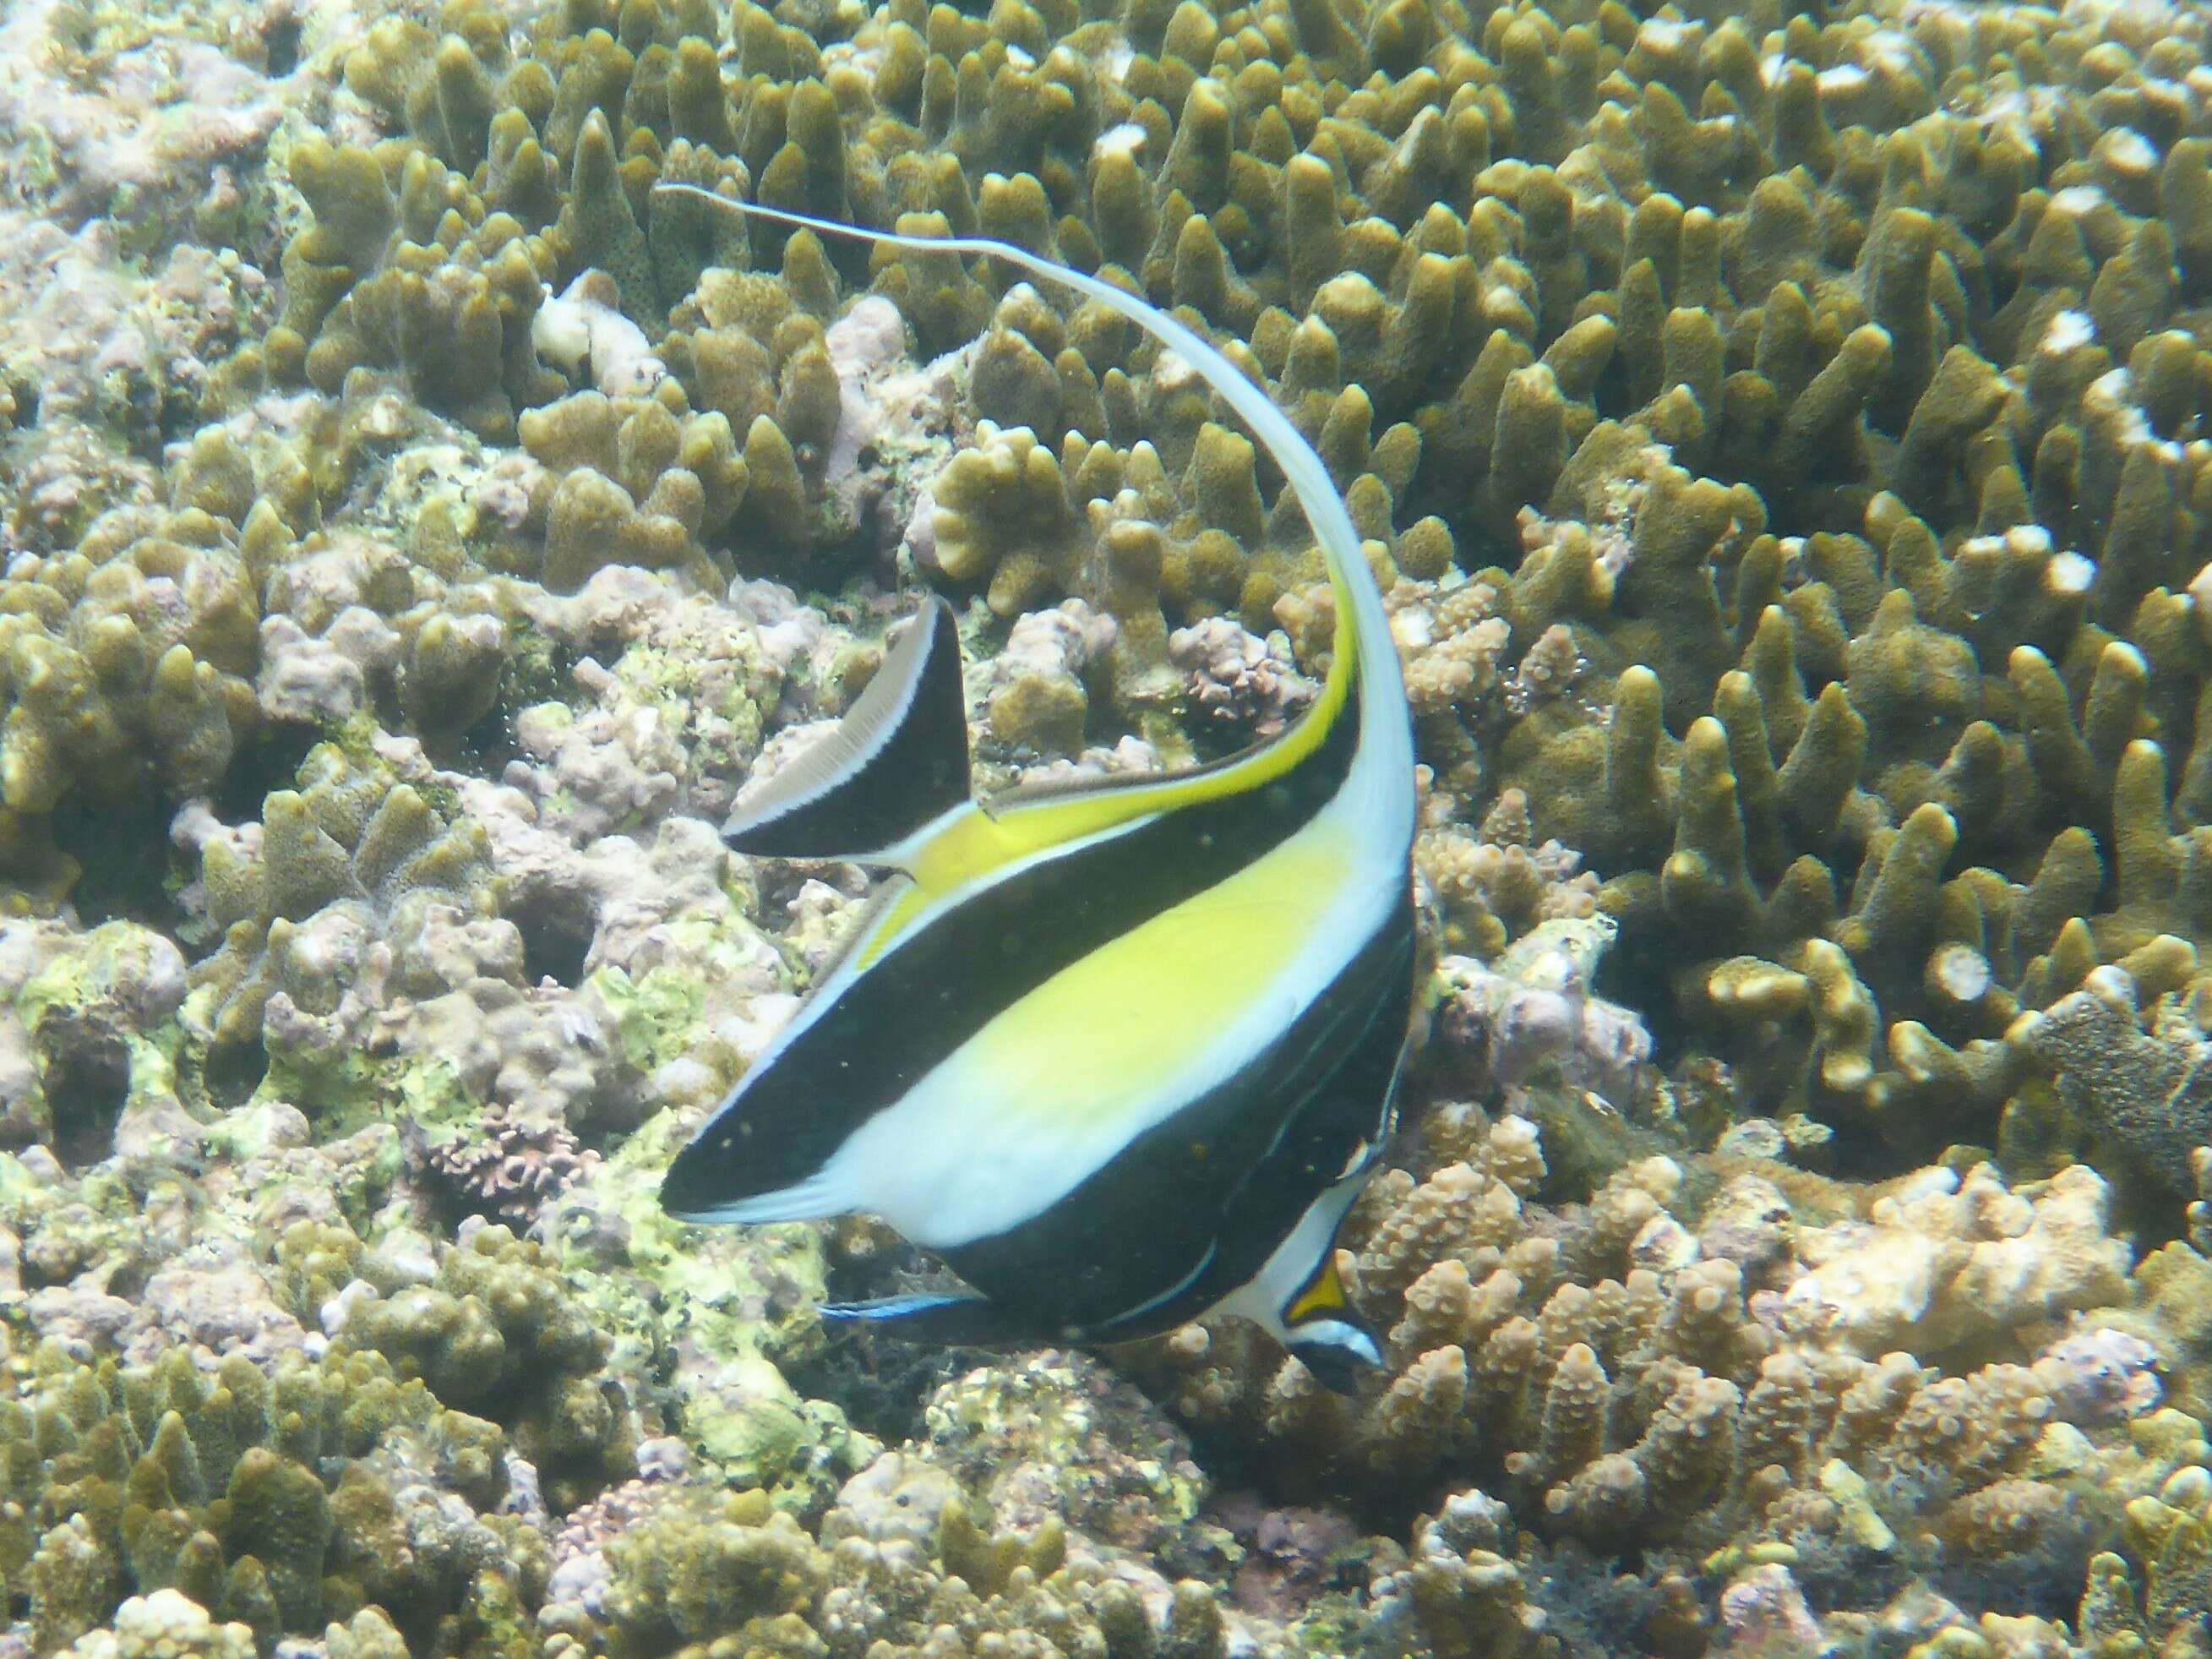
[[1380, 686]]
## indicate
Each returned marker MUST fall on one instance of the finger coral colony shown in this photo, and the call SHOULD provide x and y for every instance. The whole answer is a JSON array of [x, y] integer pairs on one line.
[[1783, 435]]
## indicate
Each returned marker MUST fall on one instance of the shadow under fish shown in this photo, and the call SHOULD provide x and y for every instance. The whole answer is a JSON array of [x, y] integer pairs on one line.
[[1123, 1051]]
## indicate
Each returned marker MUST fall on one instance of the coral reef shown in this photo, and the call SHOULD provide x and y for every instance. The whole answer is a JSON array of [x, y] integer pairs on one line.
[[1750, 395], [1738, 1367], [1830, 513], [1781, 433]]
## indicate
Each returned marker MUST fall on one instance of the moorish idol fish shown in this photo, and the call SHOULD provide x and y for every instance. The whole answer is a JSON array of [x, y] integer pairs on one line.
[[1121, 1052]]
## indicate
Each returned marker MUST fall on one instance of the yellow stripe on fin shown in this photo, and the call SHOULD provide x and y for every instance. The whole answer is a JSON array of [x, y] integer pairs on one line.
[[967, 847]]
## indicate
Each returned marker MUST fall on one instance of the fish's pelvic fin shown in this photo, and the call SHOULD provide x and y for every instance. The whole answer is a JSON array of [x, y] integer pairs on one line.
[[947, 1317], [896, 761]]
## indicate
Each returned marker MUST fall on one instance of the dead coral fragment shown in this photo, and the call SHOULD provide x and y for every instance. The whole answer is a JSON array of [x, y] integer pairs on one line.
[[581, 329]]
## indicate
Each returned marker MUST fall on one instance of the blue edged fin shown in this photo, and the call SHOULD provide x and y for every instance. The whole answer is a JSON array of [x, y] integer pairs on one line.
[[896, 761], [948, 1318]]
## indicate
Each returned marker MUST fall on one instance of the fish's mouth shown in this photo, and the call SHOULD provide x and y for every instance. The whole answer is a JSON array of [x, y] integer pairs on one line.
[[1338, 1370], [1341, 1352]]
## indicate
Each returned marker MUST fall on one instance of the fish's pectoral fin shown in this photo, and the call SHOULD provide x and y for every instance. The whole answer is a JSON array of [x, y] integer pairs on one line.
[[898, 759], [955, 1317]]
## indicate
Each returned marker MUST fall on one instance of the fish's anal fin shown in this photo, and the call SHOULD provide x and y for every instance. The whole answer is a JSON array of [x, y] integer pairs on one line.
[[897, 760], [951, 1318]]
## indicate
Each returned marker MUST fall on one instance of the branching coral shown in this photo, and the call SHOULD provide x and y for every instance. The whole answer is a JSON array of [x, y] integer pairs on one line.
[[1723, 1356], [205, 1494], [1782, 439], [1730, 350], [1870, 450]]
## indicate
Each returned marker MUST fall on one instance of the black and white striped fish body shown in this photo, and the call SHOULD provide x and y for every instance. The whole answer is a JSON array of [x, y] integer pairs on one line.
[[1194, 1212], [1120, 1052]]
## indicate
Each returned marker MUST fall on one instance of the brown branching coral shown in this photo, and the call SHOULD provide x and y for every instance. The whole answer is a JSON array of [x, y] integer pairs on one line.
[[1842, 376], [286, 1498], [1717, 1355]]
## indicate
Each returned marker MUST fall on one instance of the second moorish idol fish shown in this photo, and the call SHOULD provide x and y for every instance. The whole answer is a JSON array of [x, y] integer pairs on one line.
[[1122, 1052]]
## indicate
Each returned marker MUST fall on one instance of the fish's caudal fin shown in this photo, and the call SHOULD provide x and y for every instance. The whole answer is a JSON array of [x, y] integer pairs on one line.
[[949, 1318], [897, 761]]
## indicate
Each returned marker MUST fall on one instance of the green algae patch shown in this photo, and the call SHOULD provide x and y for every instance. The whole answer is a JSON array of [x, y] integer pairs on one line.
[[733, 1306], [656, 1016]]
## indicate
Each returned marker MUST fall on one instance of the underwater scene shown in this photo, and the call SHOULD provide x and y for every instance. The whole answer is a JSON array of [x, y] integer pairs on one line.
[[1105, 829]]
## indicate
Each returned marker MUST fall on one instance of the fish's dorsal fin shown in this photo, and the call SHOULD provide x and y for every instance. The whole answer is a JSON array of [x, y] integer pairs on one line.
[[1363, 650], [897, 761]]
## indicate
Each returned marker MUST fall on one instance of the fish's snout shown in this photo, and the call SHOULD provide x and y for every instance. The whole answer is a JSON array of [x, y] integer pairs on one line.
[[1340, 1353]]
